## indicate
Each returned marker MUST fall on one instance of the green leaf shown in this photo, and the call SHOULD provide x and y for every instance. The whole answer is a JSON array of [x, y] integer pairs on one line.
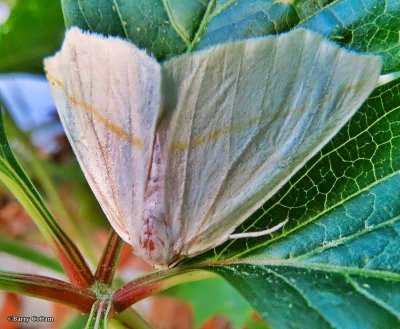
[[34, 30], [171, 27], [336, 263], [368, 26], [14, 177], [291, 295]]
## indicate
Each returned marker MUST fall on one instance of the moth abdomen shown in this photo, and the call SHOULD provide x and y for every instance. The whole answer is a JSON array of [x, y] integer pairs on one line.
[[154, 240]]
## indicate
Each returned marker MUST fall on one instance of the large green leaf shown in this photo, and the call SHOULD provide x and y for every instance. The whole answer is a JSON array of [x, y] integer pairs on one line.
[[170, 27], [33, 30]]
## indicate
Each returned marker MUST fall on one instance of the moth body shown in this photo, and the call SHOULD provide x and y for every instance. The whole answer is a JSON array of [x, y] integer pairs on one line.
[[154, 236]]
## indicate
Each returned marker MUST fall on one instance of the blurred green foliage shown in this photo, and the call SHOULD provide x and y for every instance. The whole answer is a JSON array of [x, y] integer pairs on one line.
[[34, 30]]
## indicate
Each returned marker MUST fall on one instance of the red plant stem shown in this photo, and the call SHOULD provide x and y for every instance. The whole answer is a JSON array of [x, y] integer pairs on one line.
[[108, 263], [48, 288], [130, 294], [134, 291], [73, 262]]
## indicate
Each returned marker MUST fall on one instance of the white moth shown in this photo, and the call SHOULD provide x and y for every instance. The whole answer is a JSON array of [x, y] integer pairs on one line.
[[180, 153]]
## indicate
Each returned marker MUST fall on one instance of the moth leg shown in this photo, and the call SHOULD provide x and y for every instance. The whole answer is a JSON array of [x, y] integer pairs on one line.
[[260, 233], [167, 267]]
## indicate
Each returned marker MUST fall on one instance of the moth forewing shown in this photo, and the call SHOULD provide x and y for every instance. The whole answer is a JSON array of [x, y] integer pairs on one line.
[[107, 95], [180, 154]]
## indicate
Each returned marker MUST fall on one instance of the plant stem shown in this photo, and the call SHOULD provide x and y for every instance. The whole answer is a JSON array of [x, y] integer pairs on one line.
[[48, 288], [134, 291], [109, 260]]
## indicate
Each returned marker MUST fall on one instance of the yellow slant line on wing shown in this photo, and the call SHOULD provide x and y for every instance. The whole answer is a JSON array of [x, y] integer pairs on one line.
[[175, 146], [215, 134], [109, 125]]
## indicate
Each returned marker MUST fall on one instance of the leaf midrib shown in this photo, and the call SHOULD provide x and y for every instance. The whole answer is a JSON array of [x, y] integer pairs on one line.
[[348, 273], [315, 266]]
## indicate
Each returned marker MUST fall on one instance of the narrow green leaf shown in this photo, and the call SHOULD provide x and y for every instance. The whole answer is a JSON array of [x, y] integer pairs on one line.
[[27, 253], [14, 177], [39, 171], [34, 30], [171, 27]]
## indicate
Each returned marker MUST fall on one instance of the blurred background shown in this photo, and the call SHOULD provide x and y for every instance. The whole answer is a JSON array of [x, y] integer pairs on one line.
[[29, 31]]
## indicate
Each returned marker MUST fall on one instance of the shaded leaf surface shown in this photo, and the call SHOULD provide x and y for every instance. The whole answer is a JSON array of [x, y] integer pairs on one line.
[[171, 27], [295, 296]]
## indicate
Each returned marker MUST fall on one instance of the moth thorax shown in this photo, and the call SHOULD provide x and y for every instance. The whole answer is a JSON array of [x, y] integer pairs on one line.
[[154, 237]]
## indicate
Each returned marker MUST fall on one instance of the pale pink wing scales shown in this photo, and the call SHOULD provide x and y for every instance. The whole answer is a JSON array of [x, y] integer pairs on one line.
[[107, 93]]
